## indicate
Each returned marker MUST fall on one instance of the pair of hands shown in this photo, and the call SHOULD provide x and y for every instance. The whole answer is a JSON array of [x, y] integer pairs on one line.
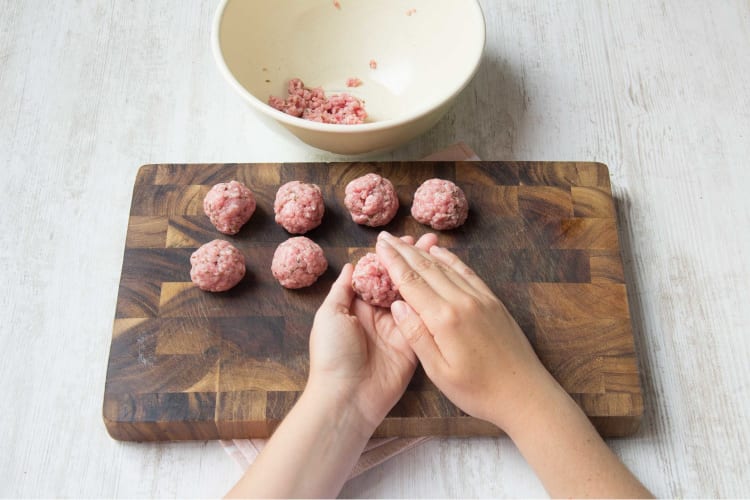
[[362, 358], [469, 345]]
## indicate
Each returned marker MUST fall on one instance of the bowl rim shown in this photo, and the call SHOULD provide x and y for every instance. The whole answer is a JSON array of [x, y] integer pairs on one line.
[[294, 121]]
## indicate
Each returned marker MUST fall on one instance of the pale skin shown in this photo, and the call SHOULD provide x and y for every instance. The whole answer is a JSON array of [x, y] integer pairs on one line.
[[362, 358]]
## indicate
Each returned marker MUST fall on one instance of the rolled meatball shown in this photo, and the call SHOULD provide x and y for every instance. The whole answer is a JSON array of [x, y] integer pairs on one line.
[[440, 204], [217, 266], [371, 200], [371, 282], [299, 207], [229, 205], [298, 262]]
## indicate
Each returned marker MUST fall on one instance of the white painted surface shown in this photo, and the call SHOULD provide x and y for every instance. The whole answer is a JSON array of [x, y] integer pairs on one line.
[[660, 91]]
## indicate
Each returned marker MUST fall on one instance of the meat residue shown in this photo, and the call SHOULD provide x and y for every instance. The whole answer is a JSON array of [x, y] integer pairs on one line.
[[337, 4], [373, 64], [313, 104], [353, 82], [411, 11]]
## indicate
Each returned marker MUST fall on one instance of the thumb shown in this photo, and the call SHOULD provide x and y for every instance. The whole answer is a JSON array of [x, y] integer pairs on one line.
[[339, 298], [413, 329]]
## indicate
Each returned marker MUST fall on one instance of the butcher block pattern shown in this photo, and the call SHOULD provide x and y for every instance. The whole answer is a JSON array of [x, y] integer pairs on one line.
[[186, 364]]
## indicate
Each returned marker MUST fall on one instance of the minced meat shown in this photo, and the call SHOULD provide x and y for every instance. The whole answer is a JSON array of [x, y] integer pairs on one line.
[[298, 262], [371, 200], [229, 205], [440, 204], [217, 266], [370, 280], [312, 104], [299, 207]]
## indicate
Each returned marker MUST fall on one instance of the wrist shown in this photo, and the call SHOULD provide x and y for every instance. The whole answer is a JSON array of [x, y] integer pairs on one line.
[[340, 408], [532, 398], [312, 451]]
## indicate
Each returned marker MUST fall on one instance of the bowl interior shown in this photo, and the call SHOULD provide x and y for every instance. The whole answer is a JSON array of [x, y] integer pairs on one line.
[[425, 50]]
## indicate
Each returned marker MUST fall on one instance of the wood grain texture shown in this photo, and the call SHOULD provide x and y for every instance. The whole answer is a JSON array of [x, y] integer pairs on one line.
[[656, 89], [185, 364]]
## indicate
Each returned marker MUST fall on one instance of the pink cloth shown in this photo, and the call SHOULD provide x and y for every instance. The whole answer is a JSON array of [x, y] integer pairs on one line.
[[377, 451]]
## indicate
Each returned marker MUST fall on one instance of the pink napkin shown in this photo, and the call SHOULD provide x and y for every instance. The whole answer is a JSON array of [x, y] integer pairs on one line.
[[377, 451]]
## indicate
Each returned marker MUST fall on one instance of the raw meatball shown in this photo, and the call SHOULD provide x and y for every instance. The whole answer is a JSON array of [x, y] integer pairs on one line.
[[440, 204], [299, 207], [217, 266], [372, 283], [229, 205], [371, 200], [298, 262]]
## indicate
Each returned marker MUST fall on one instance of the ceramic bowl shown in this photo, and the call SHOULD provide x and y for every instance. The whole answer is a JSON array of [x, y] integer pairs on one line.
[[426, 52]]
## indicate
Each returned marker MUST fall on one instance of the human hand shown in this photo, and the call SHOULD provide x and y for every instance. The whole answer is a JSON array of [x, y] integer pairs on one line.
[[357, 355], [467, 341]]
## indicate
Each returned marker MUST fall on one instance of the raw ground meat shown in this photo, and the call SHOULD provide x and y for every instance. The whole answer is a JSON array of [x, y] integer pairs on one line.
[[229, 205], [371, 200], [371, 282], [440, 204], [353, 82], [217, 266], [312, 104], [298, 262], [299, 207]]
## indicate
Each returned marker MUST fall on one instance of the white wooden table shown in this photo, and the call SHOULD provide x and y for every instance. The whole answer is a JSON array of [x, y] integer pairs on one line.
[[660, 91]]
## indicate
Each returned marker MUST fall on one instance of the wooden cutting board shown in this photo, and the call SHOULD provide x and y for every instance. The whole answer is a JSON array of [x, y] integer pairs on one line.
[[186, 364]]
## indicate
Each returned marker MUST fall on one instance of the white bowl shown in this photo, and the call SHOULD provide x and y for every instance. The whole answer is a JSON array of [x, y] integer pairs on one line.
[[426, 51]]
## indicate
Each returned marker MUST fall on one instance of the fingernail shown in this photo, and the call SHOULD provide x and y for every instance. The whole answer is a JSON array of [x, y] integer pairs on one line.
[[382, 244], [398, 309], [437, 249], [385, 235]]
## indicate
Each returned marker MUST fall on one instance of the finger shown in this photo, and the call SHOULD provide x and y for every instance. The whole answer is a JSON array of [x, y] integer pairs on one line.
[[451, 260], [413, 329], [409, 240], [412, 286], [427, 241], [422, 266], [340, 296], [380, 326]]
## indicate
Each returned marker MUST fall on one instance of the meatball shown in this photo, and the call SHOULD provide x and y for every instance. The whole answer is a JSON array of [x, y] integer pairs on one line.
[[217, 266], [298, 262], [299, 207], [371, 282], [371, 200], [440, 204], [229, 205]]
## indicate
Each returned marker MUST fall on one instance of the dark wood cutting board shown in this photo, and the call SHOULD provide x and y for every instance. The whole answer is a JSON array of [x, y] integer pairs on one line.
[[186, 364]]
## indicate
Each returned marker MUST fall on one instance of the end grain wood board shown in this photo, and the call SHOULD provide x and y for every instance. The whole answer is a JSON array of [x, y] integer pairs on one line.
[[186, 364]]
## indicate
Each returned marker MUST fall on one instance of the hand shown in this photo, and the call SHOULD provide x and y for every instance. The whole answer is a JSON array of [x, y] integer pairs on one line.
[[467, 341], [474, 351], [359, 367], [357, 353], [361, 360]]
